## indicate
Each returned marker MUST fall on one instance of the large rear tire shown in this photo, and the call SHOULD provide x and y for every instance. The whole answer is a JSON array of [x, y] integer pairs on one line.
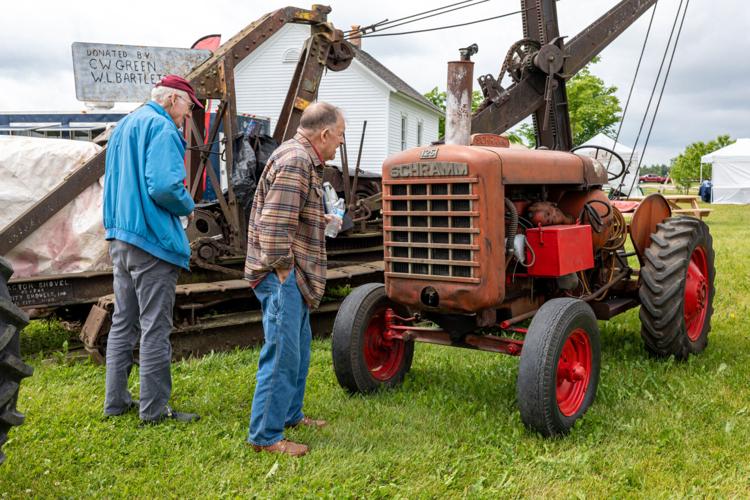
[[12, 368], [559, 369], [677, 288], [363, 358]]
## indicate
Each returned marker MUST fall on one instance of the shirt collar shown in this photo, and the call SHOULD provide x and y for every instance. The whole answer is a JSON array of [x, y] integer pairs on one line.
[[160, 110], [311, 150]]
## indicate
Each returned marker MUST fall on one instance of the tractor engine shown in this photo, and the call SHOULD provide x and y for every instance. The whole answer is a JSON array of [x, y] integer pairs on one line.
[[468, 228]]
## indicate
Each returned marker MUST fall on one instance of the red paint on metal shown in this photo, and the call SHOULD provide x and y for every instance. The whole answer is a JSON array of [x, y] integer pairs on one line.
[[696, 294], [573, 202], [573, 372], [559, 250], [382, 350], [492, 140]]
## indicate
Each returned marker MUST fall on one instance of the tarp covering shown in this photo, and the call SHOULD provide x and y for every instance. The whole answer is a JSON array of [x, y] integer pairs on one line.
[[730, 173], [73, 239]]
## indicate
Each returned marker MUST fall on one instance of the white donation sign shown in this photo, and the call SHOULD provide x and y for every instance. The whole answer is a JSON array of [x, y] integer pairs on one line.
[[127, 73]]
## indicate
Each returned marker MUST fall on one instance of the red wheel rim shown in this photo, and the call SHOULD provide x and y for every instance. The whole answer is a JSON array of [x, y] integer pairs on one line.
[[383, 356], [573, 372], [696, 294]]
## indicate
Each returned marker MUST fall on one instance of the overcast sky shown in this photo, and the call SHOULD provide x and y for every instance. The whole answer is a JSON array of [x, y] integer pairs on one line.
[[706, 94]]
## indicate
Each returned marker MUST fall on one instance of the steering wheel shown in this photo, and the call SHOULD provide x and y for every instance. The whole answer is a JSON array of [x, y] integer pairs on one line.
[[610, 151]]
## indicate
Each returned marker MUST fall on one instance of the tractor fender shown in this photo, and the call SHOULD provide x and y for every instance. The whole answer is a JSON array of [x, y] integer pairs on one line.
[[651, 211]]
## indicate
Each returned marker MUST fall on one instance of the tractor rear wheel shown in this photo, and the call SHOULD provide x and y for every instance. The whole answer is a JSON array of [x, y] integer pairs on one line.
[[12, 368], [677, 288], [364, 359], [559, 370]]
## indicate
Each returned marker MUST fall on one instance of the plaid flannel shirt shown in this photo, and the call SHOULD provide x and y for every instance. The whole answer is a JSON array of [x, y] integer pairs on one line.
[[286, 226]]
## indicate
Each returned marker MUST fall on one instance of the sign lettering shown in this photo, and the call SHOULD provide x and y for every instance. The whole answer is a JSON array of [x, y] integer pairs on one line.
[[127, 73], [429, 169]]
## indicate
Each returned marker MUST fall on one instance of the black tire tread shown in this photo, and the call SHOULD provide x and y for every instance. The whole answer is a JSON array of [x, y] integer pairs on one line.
[[12, 367], [541, 351], [663, 277], [347, 349]]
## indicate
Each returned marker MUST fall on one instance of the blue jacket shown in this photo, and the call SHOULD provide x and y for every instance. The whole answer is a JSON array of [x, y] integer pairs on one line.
[[144, 194]]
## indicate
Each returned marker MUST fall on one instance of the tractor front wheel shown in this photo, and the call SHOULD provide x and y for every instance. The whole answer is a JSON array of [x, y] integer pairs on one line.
[[364, 357], [677, 288], [559, 370]]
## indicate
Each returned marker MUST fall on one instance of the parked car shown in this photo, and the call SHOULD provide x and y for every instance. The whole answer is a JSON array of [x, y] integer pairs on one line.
[[652, 178]]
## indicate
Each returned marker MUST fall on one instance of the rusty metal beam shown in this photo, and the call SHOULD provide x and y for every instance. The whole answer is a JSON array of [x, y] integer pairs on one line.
[[517, 103], [587, 44], [303, 89], [206, 77], [527, 96], [195, 141]]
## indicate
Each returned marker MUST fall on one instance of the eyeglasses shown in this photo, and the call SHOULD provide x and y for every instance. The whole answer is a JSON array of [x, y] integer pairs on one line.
[[190, 103]]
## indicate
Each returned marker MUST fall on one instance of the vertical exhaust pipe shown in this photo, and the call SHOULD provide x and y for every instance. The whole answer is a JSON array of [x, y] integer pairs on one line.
[[458, 97]]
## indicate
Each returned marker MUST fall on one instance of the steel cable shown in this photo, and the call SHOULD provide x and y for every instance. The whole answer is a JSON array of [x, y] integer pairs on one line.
[[663, 86], [630, 93], [443, 27], [389, 24], [653, 91], [387, 21]]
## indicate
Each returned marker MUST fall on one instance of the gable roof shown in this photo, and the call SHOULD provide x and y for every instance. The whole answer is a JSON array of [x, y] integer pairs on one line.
[[607, 142], [739, 150], [390, 78]]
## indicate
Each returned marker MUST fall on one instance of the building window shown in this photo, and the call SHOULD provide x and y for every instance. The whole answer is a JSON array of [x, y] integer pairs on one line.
[[403, 132], [291, 56], [420, 126]]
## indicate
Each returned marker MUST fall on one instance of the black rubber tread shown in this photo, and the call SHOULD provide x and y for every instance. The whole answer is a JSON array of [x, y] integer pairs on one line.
[[662, 289], [348, 336], [6, 270], [536, 387], [12, 367]]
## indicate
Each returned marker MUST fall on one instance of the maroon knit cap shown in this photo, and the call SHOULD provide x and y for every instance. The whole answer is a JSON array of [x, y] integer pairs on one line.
[[179, 83]]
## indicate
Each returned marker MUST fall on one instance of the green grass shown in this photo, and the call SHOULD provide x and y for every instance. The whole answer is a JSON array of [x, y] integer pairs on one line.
[[42, 336], [658, 429]]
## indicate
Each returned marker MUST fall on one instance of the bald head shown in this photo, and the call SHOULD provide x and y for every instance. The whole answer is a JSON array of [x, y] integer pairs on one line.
[[323, 125], [318, 116]]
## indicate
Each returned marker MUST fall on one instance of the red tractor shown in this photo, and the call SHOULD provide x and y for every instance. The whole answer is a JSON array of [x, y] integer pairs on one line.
[[480, 238]]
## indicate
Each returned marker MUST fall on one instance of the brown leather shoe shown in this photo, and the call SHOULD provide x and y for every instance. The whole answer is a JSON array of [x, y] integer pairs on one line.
[[286, 447], [310, 422]]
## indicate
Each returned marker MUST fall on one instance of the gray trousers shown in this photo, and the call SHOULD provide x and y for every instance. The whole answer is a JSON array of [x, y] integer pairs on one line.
[[144, 298]]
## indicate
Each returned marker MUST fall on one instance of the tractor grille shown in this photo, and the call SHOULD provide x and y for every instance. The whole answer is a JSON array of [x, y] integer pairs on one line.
[[430, 226]]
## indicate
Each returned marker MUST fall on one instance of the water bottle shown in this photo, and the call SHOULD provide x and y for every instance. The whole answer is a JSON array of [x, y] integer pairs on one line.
[[334, 206]]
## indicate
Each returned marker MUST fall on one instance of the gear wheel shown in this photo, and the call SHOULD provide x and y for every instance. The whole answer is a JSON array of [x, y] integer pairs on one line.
[[519, 59]]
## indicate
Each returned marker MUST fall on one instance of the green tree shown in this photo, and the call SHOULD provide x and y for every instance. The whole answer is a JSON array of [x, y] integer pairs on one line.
[[593, 107], [437, 97], [658, 169], [686, 167]]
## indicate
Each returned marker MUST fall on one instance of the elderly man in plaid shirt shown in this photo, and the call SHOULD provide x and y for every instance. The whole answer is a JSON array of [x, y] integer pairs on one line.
[[286, 266]]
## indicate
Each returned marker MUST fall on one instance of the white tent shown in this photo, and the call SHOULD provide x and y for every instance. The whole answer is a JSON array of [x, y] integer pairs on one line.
[[731, 173], [613, 163]]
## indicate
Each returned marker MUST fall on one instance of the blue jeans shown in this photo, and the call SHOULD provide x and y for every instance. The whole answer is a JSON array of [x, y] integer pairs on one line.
[[284, 360]]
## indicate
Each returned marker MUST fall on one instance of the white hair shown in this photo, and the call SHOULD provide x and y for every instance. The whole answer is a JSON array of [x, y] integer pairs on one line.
[[161, 94]]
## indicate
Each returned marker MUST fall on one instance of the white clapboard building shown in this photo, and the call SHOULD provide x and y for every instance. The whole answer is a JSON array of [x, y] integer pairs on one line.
[[398, 117]]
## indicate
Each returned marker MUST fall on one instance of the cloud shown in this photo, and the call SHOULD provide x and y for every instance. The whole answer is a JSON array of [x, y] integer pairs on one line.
[[705, 95]]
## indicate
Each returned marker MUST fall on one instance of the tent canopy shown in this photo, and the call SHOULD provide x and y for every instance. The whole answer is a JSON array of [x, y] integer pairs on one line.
[[629, 185], [607, 142], [740, 150], [730, 173]]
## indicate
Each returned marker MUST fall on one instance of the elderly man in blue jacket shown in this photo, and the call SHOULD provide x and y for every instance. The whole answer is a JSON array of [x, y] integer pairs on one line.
[[144, 198]]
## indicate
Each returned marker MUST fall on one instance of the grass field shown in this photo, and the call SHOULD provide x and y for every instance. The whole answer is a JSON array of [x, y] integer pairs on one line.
[[657, 429]]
